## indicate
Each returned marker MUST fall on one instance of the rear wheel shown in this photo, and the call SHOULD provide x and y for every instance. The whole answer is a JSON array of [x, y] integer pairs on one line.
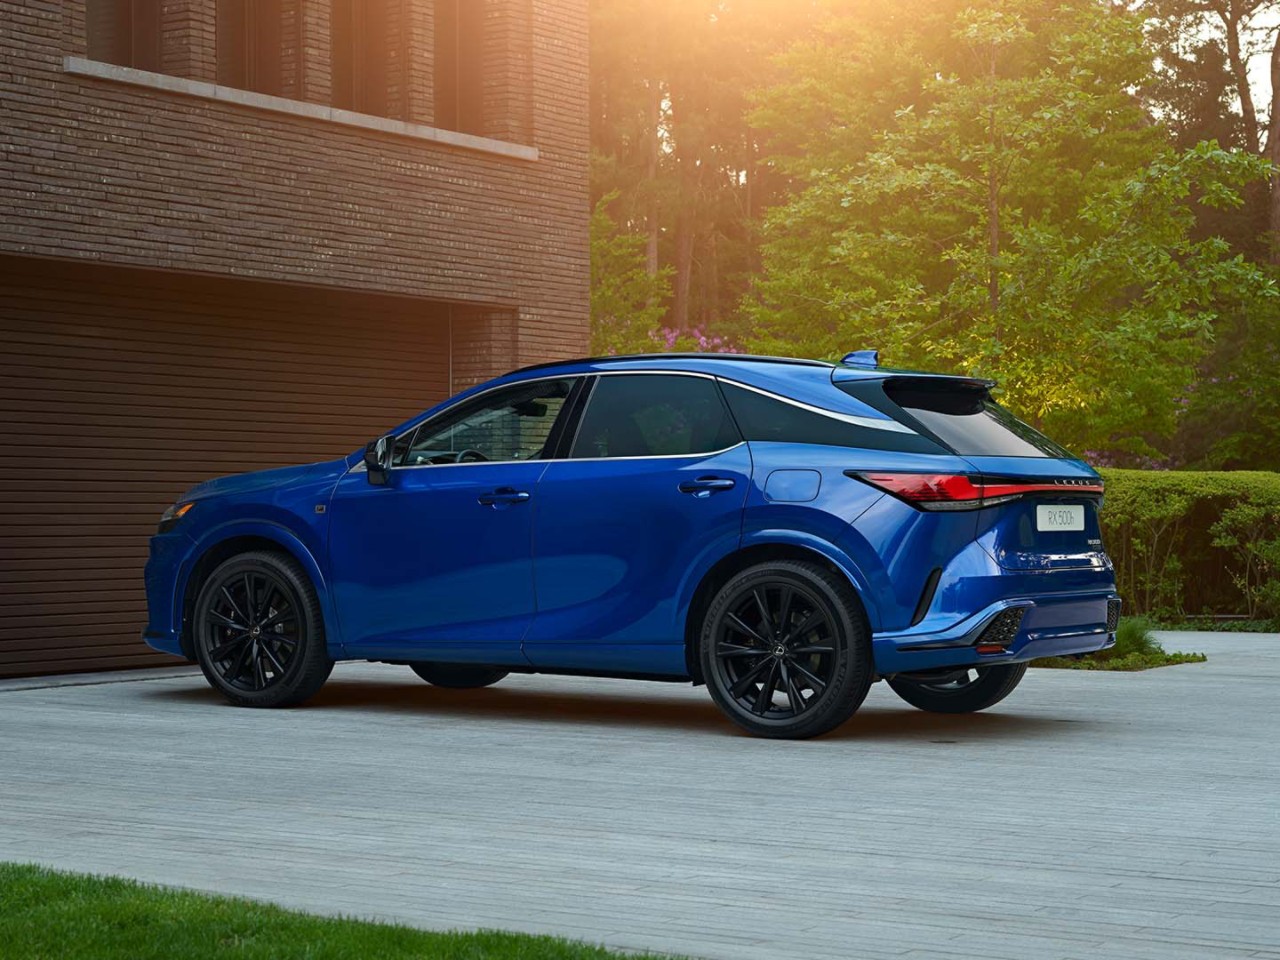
[[963, 690], [785, 650], [458, 676], [258, 632]]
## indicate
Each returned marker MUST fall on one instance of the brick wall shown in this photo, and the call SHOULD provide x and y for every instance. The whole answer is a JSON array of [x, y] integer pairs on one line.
[[98, 170]]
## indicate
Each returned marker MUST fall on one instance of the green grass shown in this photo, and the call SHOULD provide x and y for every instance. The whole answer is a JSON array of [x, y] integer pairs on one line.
[[1135, 649], [49, 914]]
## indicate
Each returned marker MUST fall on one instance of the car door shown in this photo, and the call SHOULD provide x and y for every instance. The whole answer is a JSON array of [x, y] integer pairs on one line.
[[437, 562], [652, 490]]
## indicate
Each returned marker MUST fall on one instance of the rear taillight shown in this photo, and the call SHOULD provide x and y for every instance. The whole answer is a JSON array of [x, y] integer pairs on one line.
[[958, 491]]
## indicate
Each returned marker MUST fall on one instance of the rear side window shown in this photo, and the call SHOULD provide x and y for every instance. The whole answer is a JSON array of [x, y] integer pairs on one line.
[[968, 421], [762, 417], [654, 415]]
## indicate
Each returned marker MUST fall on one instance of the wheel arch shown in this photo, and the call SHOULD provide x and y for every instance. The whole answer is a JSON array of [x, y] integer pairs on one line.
[[222, 545], [748, 556]]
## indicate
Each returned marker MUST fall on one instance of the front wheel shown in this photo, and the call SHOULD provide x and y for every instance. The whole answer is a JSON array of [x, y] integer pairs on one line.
[[785, 650], [258, 631], [962, 690], [457, 676]]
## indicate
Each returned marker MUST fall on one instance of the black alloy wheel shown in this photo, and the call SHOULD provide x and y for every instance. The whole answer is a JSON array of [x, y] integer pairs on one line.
[[959, 690], [259, 635], [785, 650]]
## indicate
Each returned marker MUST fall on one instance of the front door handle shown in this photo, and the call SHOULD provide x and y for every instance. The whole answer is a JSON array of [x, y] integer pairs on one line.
[[705, 486], [502, 495]]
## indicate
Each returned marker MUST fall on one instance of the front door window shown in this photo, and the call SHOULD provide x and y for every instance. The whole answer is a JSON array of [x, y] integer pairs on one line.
[[512, 423]]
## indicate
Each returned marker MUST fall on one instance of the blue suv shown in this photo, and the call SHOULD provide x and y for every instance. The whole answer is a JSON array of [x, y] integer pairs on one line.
[[784, 531]]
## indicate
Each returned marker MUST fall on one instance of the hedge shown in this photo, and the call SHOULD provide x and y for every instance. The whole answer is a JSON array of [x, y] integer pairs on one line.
[[1191, 543]]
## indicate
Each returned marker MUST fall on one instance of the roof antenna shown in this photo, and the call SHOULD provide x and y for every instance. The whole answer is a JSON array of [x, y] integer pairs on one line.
[[862, 358]]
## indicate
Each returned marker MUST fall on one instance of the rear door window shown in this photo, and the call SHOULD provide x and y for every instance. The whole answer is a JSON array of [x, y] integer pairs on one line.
[[968, 421], [653, 415]]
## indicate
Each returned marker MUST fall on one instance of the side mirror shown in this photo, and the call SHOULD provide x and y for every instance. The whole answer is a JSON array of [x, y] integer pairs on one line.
[[377, 458]]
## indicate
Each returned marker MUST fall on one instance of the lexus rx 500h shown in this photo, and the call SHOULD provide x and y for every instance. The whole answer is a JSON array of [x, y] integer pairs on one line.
[[784, 531]]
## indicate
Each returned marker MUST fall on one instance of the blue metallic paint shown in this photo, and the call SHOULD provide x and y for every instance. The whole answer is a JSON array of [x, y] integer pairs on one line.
[[598, 571]]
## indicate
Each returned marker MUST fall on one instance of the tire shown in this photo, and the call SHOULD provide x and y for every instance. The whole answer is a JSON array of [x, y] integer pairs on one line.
[[457, 676], [259, 633], [968, 695], [785, 650]]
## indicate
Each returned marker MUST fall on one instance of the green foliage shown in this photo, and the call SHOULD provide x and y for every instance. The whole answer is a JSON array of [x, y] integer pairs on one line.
[[627, 302], [1003, 207], [1188, 542], [1135, 649], [670, 136], [52, 914], [1250, 530]]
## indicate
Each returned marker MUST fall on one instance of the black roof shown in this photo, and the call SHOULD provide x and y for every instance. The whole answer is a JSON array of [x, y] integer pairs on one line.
[[679, 356]]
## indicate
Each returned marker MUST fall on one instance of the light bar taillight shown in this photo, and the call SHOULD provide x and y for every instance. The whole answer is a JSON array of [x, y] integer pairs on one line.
[[958, 491]]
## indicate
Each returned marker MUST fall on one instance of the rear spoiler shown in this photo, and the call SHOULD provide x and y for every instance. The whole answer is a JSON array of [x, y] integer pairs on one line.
[[846, 374]]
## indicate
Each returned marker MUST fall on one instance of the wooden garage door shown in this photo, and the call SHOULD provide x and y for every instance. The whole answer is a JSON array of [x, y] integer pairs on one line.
[[119, 389]]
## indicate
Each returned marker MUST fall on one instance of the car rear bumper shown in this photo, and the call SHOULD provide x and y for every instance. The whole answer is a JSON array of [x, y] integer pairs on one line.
[[1056, 625]]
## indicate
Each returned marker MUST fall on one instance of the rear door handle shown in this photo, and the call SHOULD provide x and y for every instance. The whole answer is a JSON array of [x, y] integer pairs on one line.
[[502, 495], [705, 486]]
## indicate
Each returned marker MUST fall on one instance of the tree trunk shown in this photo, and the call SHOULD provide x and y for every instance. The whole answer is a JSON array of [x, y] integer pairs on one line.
[[993, 241], [1273, 154], [711, 281], [683, 264], [1240, 73], [651, 176], [993, 209]]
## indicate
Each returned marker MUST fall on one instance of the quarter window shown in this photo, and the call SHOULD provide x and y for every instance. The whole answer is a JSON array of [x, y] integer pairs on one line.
[[654, 415], [513, 423], [764, 418]]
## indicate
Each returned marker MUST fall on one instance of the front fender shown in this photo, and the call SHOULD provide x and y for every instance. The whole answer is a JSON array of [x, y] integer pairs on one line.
[[284, 537]]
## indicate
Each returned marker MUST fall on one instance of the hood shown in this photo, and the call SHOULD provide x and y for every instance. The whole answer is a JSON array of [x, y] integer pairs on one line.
[[280, 478]]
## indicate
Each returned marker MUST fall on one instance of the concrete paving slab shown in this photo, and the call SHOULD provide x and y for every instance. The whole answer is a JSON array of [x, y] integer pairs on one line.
[[1089, 815]]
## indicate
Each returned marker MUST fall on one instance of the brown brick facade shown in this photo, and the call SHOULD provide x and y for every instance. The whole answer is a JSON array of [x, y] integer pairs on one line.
[[156, 232], [107, 171]]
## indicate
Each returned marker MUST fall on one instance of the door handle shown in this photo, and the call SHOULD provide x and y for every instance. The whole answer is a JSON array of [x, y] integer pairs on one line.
[[502, 495], [705, 486]]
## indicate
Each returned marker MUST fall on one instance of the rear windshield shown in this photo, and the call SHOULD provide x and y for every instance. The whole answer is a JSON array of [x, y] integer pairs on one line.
[[968, 421]]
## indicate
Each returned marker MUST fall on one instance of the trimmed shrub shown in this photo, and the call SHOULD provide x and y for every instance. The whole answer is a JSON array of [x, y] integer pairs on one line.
[[1195, 542]]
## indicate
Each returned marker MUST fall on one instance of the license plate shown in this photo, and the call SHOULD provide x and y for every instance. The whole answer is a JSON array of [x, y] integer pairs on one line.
[[1060, 517]]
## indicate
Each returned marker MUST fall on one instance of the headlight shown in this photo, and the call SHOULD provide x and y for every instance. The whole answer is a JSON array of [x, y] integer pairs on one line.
[[170, 517]]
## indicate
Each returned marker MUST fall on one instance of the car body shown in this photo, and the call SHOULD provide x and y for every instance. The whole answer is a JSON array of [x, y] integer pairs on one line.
[[617, 495]]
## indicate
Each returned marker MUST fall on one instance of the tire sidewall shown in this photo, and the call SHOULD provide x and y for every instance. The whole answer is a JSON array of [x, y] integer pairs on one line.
[[312, 654], [996, 683], [852, 678]]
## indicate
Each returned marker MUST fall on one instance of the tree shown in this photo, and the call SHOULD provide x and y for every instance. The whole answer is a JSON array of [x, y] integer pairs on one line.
[[626, 299], [1203, 86], [1003, 206], [668, 97]]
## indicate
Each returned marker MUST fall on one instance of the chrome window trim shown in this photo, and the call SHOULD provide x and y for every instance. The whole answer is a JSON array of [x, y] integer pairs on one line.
[[871, 423], [891, 426]]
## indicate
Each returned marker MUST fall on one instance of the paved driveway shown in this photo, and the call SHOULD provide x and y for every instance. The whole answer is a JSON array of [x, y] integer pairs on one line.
[[1090, 815]]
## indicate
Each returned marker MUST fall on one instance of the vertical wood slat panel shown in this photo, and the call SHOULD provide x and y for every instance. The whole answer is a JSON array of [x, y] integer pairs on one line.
[[120, 388]]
